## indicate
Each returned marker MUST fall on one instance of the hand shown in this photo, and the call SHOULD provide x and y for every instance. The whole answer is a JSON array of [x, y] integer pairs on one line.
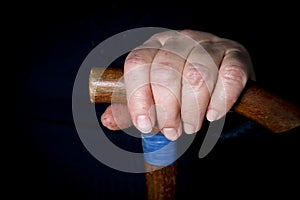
[[176, 78]]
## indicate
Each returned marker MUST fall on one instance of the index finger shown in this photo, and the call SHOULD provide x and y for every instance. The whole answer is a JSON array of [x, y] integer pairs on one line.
[[137, 83]]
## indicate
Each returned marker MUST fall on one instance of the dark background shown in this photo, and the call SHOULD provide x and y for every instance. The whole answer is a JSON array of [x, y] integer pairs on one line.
[[48, 159]]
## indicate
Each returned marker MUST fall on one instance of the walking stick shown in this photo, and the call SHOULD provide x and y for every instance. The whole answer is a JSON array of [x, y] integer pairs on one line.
[[255, 103]]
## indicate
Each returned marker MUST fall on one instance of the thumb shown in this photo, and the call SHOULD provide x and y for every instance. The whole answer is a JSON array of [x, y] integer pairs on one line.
[[116, 117]]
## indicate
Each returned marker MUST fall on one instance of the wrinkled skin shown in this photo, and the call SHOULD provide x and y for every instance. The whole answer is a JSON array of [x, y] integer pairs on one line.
[[176, 79]]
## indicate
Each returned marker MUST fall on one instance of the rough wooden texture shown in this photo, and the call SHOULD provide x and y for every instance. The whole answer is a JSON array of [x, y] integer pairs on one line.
[[106, 85], [267, 109], [161, 182], [255, 103]]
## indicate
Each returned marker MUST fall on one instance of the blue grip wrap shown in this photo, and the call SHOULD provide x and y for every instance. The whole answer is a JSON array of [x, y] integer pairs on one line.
[[158, 150]]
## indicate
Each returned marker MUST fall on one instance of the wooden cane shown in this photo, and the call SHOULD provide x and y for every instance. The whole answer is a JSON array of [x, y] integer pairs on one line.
[[105, 86], [255, 103]]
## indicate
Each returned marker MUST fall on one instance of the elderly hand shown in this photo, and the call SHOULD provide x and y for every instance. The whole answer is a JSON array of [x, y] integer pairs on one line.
[[176, 78]]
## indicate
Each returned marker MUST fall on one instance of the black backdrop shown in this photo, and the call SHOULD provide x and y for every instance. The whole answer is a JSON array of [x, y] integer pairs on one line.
[[48, 159]]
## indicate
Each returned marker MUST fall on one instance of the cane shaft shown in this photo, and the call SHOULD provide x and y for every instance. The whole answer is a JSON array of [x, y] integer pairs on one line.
[[161, 182]]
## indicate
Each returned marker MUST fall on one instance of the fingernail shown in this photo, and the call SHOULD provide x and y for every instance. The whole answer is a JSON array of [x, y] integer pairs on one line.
[[170, 133], [212, 115], [144, 124], [189, 128]]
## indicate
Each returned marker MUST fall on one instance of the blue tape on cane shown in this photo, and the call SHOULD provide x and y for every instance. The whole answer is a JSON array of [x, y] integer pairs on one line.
[[158, 150]]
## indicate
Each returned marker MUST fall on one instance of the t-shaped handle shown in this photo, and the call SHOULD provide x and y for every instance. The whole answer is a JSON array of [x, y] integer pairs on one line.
[[256, 103]]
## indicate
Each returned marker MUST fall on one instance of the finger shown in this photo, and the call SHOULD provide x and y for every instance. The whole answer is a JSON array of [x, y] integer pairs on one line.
[[199, 77], [137, 83], [232, 78], [116, 117], [162, 37], [199, 36], [166, 71]]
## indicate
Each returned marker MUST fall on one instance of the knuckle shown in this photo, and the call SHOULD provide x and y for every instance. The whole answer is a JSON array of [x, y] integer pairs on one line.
[[233, 73], [196, 74], [186, 31], [135, 59]]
